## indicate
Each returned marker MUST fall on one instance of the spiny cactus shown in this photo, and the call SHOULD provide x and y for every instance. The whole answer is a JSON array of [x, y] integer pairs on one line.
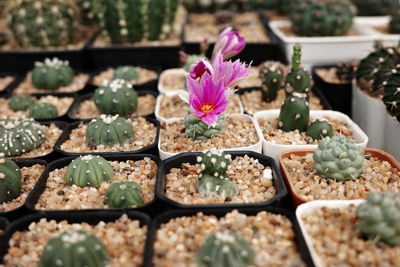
[[339, 158], [116, 97], [21, 102], [319, 129], [391, 93], [40, 111], [197, 129], [20, 136], [10, 180], [225, 249], [42, 23], [109, 131], [215, 163], [379, 216], [272, 75], [74, 249], [52, 74], [376, 7], [128, 73], [125, 194], [394, 24], [294, 114]]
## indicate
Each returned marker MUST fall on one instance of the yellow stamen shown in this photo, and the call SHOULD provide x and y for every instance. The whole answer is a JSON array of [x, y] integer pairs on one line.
[[207, 108]]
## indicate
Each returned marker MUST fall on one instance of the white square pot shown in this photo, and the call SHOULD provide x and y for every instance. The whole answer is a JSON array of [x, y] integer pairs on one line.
[[392, 136], [164, 74], [381, 21], [274, 150]]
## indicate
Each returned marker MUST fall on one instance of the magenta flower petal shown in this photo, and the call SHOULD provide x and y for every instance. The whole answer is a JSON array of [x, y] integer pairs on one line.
[[232, 72], [199, 68], [230, 43]]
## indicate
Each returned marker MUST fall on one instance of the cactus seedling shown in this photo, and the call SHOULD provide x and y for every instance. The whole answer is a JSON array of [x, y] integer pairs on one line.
[[319, 129], [294, 114], [21, 102], [126, 73], [40, 111], [271, 74], [197, 129], [10, 180], [125, 194], [52, 74]]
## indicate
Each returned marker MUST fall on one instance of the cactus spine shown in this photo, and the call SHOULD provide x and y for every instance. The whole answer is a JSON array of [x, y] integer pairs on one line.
[[125, 194], [294, 114], [41, 111], [126, 73], [10, 180], [272, 75], [318, 130], [52, 74], [21, 102], [197, 129]]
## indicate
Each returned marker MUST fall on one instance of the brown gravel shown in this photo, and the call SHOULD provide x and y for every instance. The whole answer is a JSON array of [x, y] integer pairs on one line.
[[253, 80], [239, 132], [329, 75], [30, 175], [5, 81], [271, 237], [88, 110], [124, 240], [58, 195], [378, 175], [338, 242], [61, 103], [145, 135], [145, 75], [172, 80]]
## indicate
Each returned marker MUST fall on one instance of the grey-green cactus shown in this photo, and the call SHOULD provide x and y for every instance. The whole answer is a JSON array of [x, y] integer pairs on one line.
[[339, 158], [394, 24], [20, 136], [319, 129], [52, 74], [88, 171], [41, 111], [224, 249], [21, 102], [376, 7], [294, 114], [10, 180], [74, 249], [109, 131], [391, 93], [272, 75], [116, 97], [195, 128], [379, 217], [125, 194], [129, 74]]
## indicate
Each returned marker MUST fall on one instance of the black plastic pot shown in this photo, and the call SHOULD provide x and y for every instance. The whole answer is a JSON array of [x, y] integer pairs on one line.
[[190, 157], [165, 217], [3, 226], [151, 149], [338, 94], [78, 217], [16, 80], [78, 101]]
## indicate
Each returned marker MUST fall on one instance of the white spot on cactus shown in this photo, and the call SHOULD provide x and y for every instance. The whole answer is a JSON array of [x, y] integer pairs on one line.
[[39, 20], [37, 5], [2, 175], [280, 123], [198, 159], [203, 167], [216, 174], [124, 31], [324, 131], [122, 22], [22, 12], [55, 10], [292, 99], [213, 160], [298, 116], [298, 77], [122, 186], [223, 164]]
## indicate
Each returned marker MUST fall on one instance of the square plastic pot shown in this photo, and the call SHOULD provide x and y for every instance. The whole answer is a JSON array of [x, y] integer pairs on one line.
[[392, 133], [164, 74], [16, 80], [3, 227], [370, 24]]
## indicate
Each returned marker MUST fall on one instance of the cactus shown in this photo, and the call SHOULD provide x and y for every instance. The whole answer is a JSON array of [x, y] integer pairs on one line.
[[116, 97], [20, 136], [74, 249], [339, 158], [21, 102], [294, 114], [10, 180], [125, 194], [379, 216], [225, 249], [271, 74], [319, 130], [88, 171], [215, 163], [109, 131], [298, 81], [42, 23], [376, 7], [391, 93], [197, 129], [128, 73], [394, 24], [52, 74], [40, 111]]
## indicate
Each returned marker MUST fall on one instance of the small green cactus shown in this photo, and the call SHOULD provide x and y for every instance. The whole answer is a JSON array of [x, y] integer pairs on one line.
[[319, 129], [125, 194], [391, 93], [224, 249], [215, 163], [109, 131], [376, 7], [339, 158], [88, 171], [10, 180], [129, 74], [294, 114], [272, 75], [74, 249], [40, 111], [195, 128], [379, 217], [394, 24], [116, 97], [52, 74], [21, 102]]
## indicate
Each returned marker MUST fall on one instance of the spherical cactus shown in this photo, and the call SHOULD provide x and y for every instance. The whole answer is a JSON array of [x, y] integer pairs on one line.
[[214, 163], [10, 180], [125, 194], [376, 7], [20, 136], [74, 249], [391, 93], [52, 74], [394, 24], [298, 81], [195, 128], [339, 158], [271, 74], [20, 102], [40, 111], [319, 129], [225, 249], [294, 114], [88, 171], [126, 73], [109, 131], [116, 97], [379, 217], [42, 23]]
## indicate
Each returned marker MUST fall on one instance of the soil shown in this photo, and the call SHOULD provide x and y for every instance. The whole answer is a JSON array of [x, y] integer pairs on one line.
[[145, 75]]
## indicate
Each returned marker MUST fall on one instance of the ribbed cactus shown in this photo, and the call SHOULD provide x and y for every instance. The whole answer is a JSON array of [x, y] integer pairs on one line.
[[42, 23], [74, 249], [88, 171], [109, 131], [40, 111], [10, 180], [116, 97], [20, 102], [127, 73], [298, 81], [224, 249], [52, 74], [20, 136], [376, 7], [125, 194], [394, 24], [319, 129], [272, 75], [379, 217], [197, 129], [294, 114], [339, 158], [391, 93]]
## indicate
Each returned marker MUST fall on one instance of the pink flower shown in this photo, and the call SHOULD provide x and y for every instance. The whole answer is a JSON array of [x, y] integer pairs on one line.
[[230, 43], [199, 68]]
